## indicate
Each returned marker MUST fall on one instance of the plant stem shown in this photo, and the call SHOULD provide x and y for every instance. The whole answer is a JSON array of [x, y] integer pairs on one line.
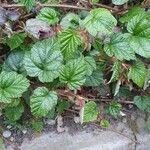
[[114, 10], [70, 94], [110, 100], [105, 6], [44, 5]]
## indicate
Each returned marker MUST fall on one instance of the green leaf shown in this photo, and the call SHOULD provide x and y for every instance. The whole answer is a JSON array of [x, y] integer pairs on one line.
[[12, 85], [99, 20], [138, 73], [142, 102], [119, 2], [14, 62], [104, 123], [42, 101], [62, 105], [90, 112], [73, 73], [119, 47], [90, 65], [71, 20], [124, 92], [95, 79], [69, 42], [15, 102], [116, 71], [52, 114], [139, 38], [34, 26], [147, 79], [1, 144], [131, 13], [114, 109], [14, 113], [16, 40], [44, 61], [49, 15], [37, 126], [97, 44], [28, 3], [94, 1]]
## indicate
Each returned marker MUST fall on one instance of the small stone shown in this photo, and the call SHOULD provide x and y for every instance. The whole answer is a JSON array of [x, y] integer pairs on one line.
[[6, 134], [122, 114], [50, 122], [77, 119], [9, 127], [66, 129], [124, 120], [60, 129], [24, 131], [130, 106], [11, 139], [59, 121]]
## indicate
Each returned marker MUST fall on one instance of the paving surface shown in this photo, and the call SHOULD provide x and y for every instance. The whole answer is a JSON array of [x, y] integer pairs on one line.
[[117, 138]]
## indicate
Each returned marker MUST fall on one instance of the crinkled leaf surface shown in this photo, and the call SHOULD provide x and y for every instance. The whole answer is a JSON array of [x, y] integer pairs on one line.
[[90, 112], [119, 47], [15, 102], [28, 3], [37, 126], [99, 20], [90, 65], [116, 71], [73, 73], [104, 123], [130, 14], [142, 102], [95, 79], [114, 109], [44, 61], [42, 101], [49, 15], [35, 26], [14, 62], [12, 85], [62, 105], [14, 113], [71, 20], [69, 42], [16, 40], [138, 73], [139, 29], [119, 2]]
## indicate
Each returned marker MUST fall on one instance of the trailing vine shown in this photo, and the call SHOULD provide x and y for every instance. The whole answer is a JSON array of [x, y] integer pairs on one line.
[[54, 54]]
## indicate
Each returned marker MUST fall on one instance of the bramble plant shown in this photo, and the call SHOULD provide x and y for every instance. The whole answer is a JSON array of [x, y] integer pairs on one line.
[[50, 53]]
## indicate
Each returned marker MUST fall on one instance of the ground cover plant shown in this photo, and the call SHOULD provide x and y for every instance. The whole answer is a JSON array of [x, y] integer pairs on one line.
[[57, 56]]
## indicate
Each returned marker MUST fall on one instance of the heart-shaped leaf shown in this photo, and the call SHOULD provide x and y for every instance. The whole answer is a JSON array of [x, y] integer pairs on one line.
[[99, 20], [12, 85], [73, 73], [44, 61], [42, 101]]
